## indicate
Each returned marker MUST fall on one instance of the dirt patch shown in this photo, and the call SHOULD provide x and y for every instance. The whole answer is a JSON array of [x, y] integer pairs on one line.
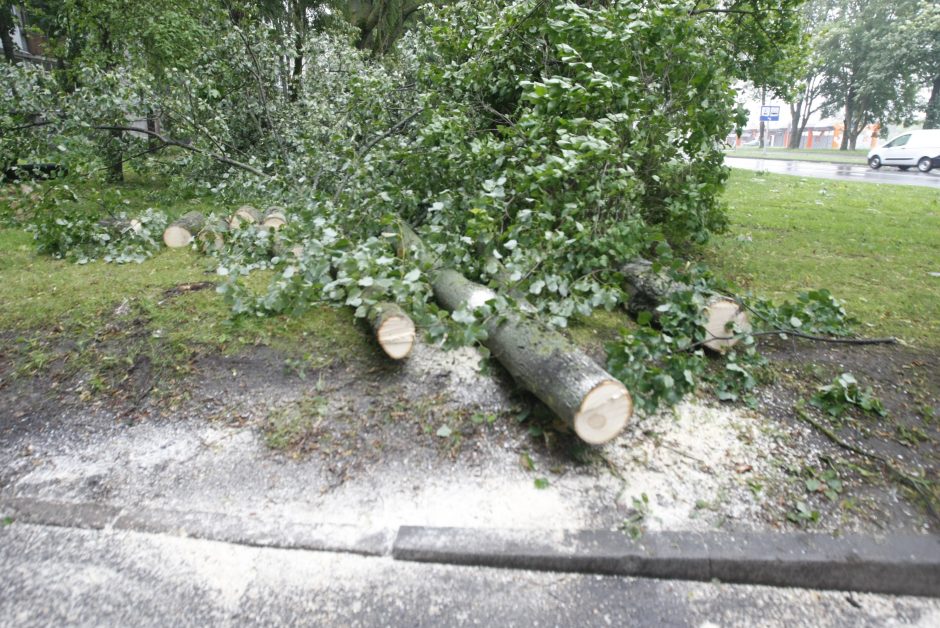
[[443, 439]]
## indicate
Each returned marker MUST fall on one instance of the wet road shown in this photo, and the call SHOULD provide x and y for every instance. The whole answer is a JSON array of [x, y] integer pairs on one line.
[[845, 172]]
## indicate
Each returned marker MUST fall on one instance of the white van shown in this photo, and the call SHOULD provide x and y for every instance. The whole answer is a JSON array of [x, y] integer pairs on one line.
[[914, 148]]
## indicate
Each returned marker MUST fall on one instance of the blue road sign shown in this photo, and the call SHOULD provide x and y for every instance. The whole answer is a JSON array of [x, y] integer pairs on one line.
[[770, 113]]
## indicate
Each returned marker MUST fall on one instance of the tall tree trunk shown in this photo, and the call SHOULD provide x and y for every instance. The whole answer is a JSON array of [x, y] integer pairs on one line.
[[846, 128], [796, 133], [114, 154], [300, 32], [6, 26], [932, 121]]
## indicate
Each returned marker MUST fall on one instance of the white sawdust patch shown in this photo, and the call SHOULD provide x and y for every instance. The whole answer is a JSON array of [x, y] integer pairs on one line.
[[455, 373], [696, 464]]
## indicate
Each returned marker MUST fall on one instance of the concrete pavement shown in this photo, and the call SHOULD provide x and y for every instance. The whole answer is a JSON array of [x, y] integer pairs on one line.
[[52, 576]]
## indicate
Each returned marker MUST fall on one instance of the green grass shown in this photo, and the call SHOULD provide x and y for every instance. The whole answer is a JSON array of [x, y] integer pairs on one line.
[[871, 245], [857, 157], [112, 313]]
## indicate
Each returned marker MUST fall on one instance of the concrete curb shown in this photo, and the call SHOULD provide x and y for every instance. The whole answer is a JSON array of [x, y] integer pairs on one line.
[[907, 565], [255, 531], [901, 565]]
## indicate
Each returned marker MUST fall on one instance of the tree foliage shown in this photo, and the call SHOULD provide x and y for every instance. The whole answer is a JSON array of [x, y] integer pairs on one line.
[[865, 65], [533, 144]]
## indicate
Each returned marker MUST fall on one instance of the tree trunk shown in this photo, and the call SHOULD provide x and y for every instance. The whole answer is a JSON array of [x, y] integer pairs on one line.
[[393, 328], [6, 26], [932, 121], [648, 289], [182, 231], [795, 132], [594, 403], [114, 153]]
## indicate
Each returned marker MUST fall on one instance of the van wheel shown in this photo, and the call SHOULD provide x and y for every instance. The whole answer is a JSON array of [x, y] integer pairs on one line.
[[875, 162], [925, 164]]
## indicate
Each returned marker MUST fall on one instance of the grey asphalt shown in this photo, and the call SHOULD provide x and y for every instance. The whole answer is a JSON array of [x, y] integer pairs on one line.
[[839, 172], [55, 576]]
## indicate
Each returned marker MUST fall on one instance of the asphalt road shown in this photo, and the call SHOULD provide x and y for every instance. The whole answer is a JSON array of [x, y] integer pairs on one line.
[[843, 172]]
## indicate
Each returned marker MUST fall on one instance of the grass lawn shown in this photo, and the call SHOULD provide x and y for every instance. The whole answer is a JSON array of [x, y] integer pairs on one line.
[[857, 157], [873, 246], [112, 310]]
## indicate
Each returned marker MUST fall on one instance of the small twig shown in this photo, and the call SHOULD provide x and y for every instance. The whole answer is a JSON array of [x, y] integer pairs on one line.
[[797, 334], [914, 483]]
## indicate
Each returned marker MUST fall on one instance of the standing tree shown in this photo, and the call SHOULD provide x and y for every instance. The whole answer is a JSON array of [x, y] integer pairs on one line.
[[862, 75], [919, 37]]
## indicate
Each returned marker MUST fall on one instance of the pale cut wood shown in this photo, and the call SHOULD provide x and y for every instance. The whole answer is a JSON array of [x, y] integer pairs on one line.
[[274, 218], [244, 214], [594, 403], [393, 328], [182, 231], [647, 289]]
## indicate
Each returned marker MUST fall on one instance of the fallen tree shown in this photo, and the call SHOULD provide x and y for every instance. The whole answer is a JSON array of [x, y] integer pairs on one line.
[[648, 289], [591, 401]]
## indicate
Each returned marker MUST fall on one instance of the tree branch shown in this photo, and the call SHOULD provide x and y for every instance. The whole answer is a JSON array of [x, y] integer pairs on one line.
[[195, 149]]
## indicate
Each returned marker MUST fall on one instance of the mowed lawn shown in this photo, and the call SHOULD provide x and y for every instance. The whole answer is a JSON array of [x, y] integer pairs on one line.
[[873, 246]]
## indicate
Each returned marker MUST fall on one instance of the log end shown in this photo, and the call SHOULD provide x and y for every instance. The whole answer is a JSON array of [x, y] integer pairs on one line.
[[273, 222], [604, 412], [176, 237], [396, 336], [719, 314]]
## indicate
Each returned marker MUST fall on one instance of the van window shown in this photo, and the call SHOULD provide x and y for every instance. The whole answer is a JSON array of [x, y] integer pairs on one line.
[[898, 141]]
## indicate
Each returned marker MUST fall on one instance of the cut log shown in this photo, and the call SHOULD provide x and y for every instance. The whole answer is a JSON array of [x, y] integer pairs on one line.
[[274, 218], [594, 403], [648, 289], [182, 231], [212, 236], [393, 328], [244, 214], [544, 362]]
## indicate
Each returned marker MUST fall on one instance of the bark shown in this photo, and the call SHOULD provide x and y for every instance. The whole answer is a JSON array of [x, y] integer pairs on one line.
[[182, 231], [648, 289], [542, 361], [6, 28], [114, 150]]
